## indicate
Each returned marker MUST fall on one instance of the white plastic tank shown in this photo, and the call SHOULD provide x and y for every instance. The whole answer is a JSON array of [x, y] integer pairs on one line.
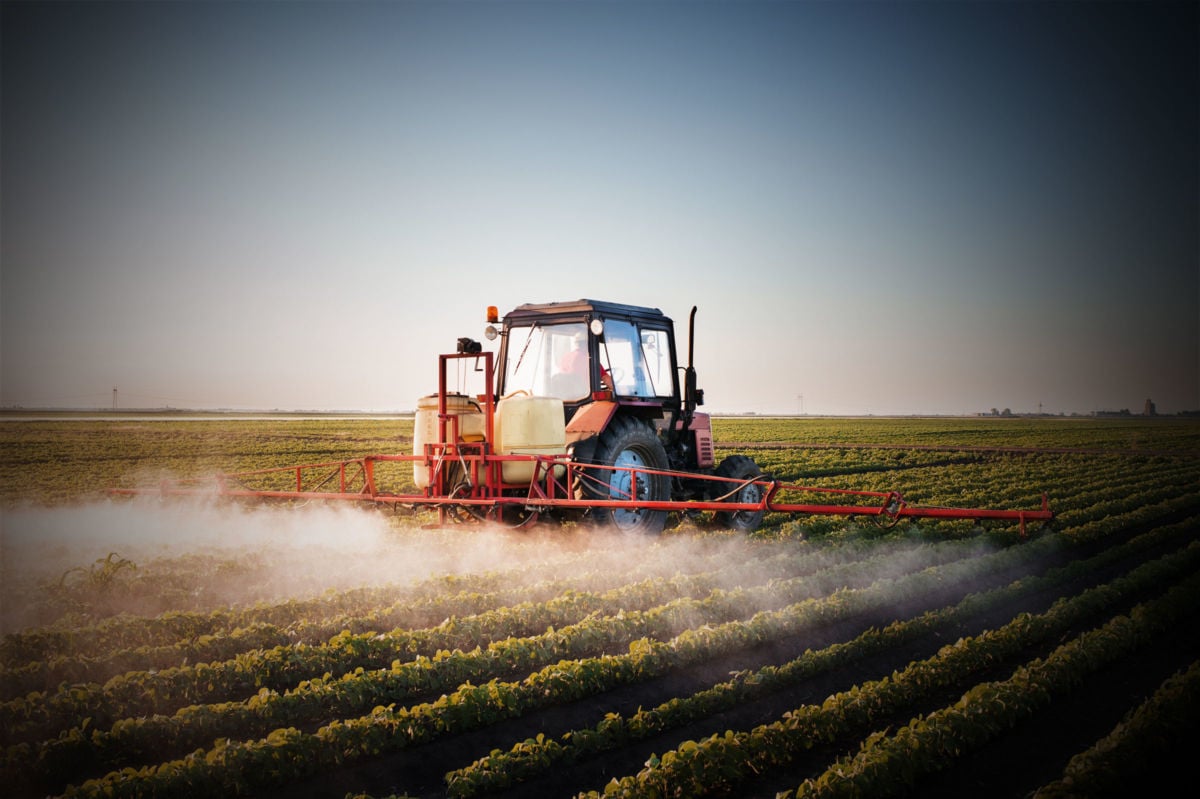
[[529, 426], [471, 427]]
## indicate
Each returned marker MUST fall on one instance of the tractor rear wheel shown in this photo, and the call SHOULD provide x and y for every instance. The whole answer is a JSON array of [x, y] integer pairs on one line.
[[631, 444], [743, 470]]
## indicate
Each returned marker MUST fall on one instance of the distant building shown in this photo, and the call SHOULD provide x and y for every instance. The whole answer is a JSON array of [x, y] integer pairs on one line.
[[1150, 409]]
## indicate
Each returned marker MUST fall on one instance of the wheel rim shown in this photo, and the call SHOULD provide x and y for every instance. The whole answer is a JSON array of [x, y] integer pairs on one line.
[[750, 493], [620, 487]]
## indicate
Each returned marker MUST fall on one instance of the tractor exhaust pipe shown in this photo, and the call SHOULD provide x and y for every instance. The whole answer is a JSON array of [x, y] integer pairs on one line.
[[691, 338], [692, 396]]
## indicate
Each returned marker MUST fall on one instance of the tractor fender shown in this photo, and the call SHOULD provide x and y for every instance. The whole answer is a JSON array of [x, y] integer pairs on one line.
[[590, 421]]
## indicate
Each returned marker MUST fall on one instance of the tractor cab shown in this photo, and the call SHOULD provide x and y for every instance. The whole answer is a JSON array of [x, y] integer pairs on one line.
[[586, 351]]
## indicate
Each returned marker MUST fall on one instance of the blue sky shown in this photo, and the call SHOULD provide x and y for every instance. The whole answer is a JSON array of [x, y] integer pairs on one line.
[[884, 207]]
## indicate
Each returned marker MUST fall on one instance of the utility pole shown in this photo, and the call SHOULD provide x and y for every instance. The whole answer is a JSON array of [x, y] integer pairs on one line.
[[114, 398], [801, 398]]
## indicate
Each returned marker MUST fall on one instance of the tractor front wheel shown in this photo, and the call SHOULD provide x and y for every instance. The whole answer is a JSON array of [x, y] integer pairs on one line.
[[631, 446]]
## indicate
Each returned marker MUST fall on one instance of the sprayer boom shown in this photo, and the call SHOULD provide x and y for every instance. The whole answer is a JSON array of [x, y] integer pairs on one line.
[[549, 491], [586, 420]]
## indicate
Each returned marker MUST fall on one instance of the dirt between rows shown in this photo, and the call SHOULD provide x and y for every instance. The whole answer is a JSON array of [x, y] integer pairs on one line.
[[1022, 761]]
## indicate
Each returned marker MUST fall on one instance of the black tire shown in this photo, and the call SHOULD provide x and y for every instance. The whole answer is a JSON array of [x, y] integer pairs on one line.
[[630, 442], [740, 468]]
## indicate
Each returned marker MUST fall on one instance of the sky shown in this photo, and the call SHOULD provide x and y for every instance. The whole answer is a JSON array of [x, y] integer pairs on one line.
[[879, 207]]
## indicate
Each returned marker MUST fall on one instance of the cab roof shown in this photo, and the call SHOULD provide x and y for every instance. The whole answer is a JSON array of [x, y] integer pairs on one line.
[[584, 308]]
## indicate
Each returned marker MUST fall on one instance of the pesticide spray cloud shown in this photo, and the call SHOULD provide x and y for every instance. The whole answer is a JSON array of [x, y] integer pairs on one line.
[[234, 554], [205, 554], [146, 556]]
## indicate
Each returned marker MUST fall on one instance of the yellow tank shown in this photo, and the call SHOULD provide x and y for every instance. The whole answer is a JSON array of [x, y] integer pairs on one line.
[[529, 426], [425, 427]]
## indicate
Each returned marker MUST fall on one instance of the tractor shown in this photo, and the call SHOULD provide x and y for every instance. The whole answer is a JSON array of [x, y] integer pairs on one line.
[[627, 404]]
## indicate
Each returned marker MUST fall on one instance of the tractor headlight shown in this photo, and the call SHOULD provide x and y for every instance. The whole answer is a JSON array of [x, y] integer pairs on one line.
[[490, 332]]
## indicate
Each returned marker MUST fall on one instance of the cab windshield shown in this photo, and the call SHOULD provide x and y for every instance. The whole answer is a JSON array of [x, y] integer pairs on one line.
[[548, 361]]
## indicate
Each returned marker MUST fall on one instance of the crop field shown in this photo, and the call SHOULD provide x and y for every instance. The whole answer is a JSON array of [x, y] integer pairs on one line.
[[201, 648]]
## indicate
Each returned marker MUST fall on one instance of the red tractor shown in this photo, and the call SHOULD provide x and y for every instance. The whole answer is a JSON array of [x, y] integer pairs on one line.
[[627, 403]]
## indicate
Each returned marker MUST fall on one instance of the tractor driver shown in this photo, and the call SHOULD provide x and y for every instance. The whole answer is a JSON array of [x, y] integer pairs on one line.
[[575, 360], [571, 380]]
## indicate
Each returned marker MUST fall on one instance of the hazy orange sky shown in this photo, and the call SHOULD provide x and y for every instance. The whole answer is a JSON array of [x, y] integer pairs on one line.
[[883, 207]]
